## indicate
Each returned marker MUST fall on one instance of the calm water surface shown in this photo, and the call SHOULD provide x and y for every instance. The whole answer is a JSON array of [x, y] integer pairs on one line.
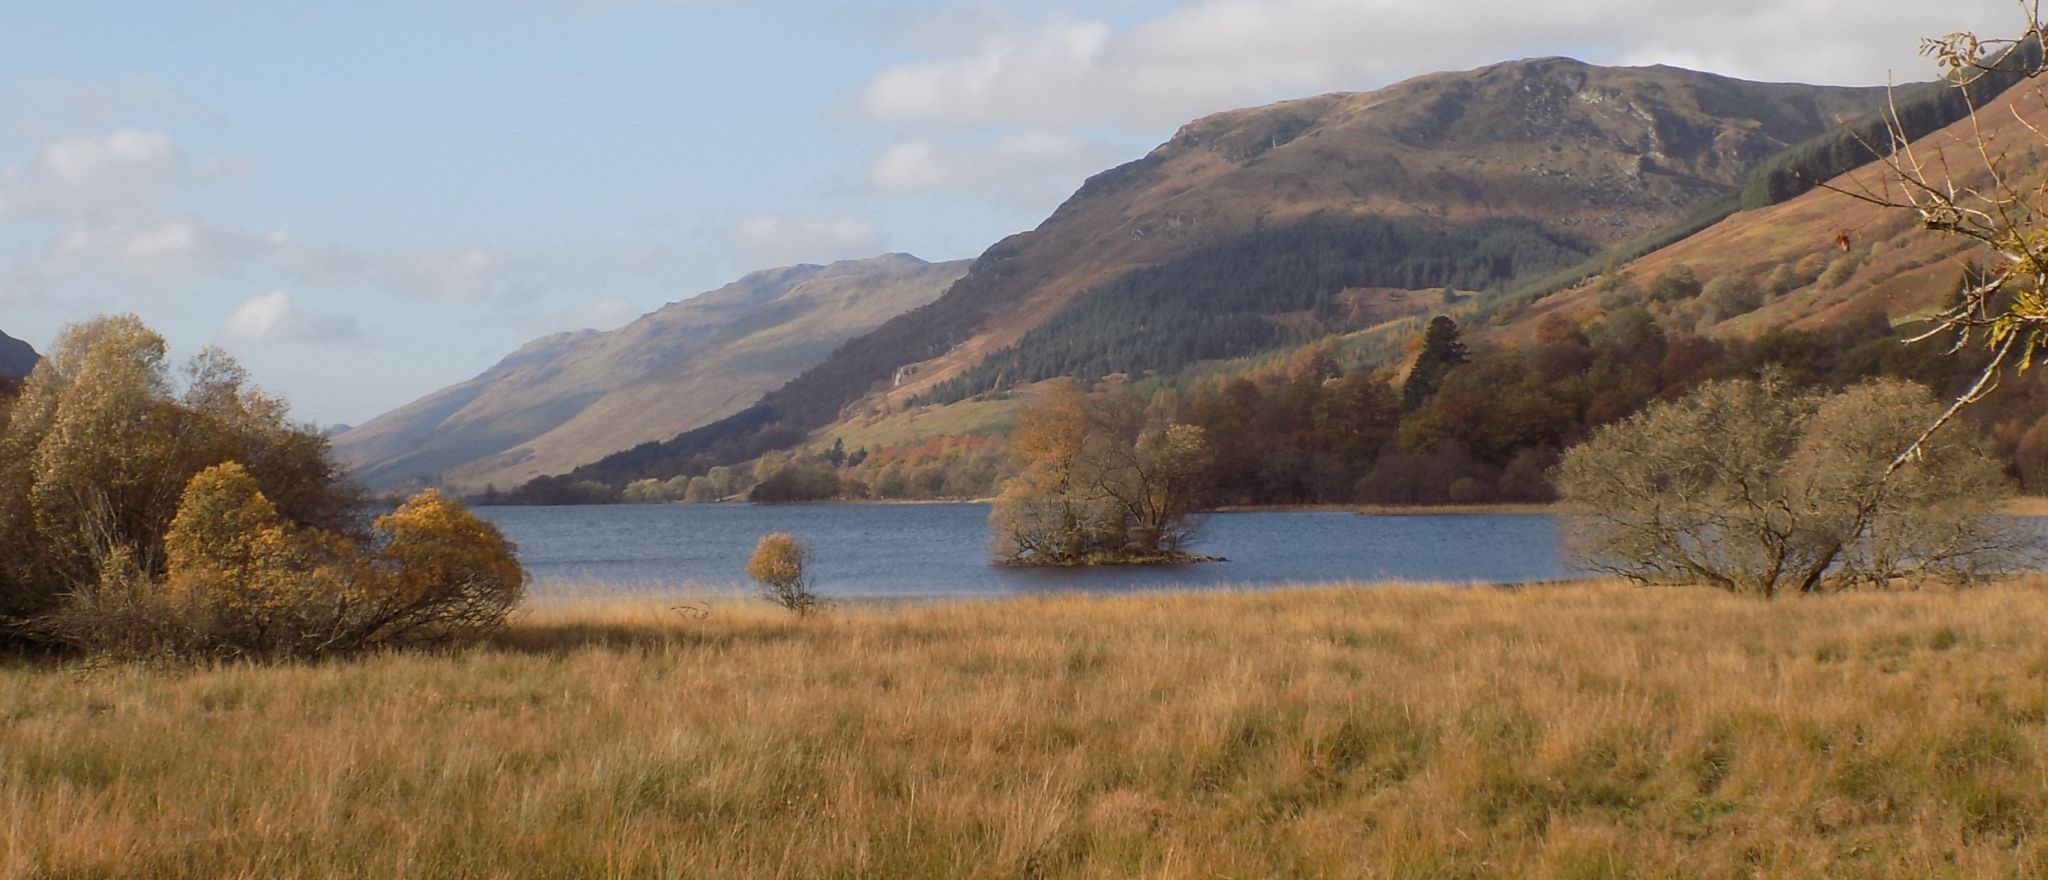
[[940, 550]]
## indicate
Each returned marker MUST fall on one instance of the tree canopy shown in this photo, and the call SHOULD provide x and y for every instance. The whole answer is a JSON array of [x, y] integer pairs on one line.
[[1100, 482]]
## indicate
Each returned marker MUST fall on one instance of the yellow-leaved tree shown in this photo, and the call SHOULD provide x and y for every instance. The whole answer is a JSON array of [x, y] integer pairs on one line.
[[1102, 481], [442, 574], [780, 565], [143, 513]]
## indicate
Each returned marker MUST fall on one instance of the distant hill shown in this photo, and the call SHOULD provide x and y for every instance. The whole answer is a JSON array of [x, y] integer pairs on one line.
[[16, 357], [1255, 228], [572, 398]]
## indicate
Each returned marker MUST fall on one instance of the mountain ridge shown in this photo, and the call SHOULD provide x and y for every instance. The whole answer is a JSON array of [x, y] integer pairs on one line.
[[1598, 155], [17, 358], [569, 398]]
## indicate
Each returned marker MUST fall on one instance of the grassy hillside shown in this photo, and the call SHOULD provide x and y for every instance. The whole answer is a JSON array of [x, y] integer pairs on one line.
[[1584, 731], [1845, 257]]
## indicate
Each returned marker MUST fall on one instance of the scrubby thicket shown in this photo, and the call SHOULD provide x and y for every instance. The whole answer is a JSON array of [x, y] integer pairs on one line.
[[1490, 426], [1756, 487], [940, 468], [142, 514]]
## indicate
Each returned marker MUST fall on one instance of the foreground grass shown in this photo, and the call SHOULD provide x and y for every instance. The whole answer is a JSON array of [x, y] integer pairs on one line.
[[1581, 731]]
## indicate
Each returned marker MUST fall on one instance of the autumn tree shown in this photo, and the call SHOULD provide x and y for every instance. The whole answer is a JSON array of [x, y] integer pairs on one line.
[[1755, 487], [781, 565], [142, 511], [439, 575], [1099, 482]]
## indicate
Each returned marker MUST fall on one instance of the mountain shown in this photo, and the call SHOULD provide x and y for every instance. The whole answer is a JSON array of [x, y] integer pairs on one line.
[[572, 398], [16, 357], [1253, 228], [1826, 258]]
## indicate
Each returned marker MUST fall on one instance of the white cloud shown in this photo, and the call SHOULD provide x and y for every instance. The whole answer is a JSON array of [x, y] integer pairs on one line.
[[769, 240], [273, 317], [1016, 104], [104, 207], [1212, 55], [51, 109], [1026, 168], [603, 314], [115, 174]]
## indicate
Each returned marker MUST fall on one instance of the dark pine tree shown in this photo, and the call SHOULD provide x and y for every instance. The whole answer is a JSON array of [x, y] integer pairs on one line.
[[1442, 349]]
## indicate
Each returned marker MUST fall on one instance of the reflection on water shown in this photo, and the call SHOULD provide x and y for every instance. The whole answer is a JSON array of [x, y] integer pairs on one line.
[[935, 550]]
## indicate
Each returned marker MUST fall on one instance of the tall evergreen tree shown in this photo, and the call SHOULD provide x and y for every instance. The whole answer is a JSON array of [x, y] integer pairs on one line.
[[1442, 349]]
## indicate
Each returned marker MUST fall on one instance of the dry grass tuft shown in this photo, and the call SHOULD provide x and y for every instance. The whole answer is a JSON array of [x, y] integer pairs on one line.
[[1575, 731]]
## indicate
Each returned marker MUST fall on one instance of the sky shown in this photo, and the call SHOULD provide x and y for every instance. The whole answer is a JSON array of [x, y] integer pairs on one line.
[[365, 201]]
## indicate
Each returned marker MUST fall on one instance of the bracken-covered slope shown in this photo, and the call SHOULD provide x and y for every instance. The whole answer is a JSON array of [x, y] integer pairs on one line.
[[572, 398], [1828, 257], [1309, 216], [16, 357]]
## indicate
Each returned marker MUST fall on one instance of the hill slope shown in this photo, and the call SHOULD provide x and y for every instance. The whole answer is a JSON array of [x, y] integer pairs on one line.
[[1253, 227], [16, 357], [1824, 257], [572, 398]]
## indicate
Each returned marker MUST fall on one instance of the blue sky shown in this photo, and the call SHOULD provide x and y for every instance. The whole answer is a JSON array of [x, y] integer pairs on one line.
[[366, 201]]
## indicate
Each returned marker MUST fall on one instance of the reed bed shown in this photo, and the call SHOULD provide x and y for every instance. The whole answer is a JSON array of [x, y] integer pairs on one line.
[[1590, 730]]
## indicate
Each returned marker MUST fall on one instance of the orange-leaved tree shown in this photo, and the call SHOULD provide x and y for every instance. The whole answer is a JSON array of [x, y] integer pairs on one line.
[[1101, 480]]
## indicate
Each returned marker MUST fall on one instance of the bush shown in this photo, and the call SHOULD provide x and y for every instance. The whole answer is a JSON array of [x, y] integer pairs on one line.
[[1752, 487], [1731, 295], [1100, 481], [779, 565], [799, 479], [1781, 281], [137, 518], [1677, 283], [1838, 271], [439, 575], [241, 581]]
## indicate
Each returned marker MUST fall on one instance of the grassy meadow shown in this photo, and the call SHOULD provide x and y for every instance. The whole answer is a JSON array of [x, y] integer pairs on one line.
[[1575, 731]]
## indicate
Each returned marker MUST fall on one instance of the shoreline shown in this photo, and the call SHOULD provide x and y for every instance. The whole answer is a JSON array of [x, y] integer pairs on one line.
[[553, 597], [2026, 505]]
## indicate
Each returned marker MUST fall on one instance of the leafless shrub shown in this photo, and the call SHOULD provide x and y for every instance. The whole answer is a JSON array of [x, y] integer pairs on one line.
[[1757, 488]]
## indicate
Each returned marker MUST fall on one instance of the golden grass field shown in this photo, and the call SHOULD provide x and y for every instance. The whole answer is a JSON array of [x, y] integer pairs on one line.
[[1570, 731]]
